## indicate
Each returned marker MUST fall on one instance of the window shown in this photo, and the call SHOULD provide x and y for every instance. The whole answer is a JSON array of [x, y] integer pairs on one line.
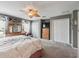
[[3, 23], [26, 26]]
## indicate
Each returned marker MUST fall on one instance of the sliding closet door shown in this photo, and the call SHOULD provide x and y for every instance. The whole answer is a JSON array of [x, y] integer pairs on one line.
[[61, 30]]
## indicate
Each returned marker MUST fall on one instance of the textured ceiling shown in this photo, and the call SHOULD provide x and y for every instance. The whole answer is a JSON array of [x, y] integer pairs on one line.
[[46, 8]]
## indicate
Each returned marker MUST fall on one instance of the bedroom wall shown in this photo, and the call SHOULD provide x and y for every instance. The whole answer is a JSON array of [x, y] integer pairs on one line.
[[36, 28], [74, 28], [51, 30], [78, 34]]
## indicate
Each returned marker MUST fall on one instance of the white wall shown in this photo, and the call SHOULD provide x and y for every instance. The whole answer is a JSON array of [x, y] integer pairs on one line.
[[36, 29], [51, 30], [60, 30]]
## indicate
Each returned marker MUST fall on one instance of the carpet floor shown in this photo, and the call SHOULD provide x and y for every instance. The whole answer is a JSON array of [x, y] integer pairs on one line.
[[57, 50]]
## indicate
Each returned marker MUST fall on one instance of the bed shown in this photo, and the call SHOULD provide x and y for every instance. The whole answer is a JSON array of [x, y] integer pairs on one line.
[[20, 47]]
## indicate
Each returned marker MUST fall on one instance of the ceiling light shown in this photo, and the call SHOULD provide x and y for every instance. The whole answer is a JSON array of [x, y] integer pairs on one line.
[[32, 12]]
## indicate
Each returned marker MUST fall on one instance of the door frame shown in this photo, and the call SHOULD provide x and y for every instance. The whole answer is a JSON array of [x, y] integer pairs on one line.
[[42, 24]]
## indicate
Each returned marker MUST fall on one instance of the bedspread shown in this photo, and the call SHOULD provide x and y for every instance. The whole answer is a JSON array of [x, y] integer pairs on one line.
[[21, 50]]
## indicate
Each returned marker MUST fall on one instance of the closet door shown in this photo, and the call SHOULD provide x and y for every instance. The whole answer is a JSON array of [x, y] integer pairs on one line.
[[61, 30]]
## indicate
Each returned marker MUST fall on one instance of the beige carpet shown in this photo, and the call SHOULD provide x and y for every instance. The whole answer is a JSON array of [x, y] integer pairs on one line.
[[57, 50]]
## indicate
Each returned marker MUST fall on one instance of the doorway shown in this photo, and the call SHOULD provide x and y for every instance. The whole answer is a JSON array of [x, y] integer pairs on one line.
[[45, 29]]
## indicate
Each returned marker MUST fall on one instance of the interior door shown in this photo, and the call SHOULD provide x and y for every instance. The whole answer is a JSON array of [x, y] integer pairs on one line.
[[45, 29]]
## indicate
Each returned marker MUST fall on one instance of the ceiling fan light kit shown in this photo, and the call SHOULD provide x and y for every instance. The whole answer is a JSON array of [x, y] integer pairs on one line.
[[32, 12]]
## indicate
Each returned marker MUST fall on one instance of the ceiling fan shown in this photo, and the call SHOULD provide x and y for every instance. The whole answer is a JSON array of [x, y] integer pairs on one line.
[[31, 11]]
